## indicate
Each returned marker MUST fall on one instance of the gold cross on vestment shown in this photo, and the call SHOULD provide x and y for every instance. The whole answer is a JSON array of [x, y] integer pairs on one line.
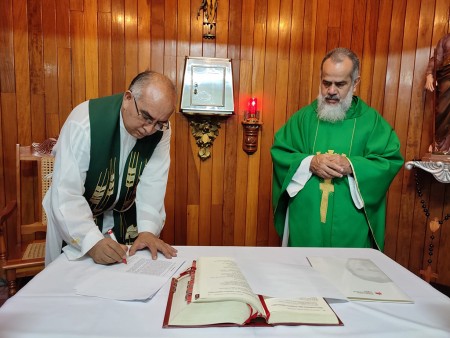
[[327, 187]]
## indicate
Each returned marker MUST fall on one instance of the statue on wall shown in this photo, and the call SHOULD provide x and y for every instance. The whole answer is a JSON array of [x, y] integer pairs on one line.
[[438, 82]]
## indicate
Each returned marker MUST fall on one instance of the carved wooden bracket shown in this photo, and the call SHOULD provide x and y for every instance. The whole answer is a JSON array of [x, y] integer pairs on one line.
[[205, 129]]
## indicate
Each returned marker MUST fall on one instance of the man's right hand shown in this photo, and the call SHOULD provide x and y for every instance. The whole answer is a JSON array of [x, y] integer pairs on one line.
[[108, 251], [330, 165]]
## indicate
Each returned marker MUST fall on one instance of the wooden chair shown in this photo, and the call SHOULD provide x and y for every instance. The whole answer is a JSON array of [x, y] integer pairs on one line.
[[26, 257]]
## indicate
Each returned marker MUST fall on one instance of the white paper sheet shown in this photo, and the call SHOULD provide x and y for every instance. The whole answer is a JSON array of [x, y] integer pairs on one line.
[[289, 281], [140, 279], [359, 279]]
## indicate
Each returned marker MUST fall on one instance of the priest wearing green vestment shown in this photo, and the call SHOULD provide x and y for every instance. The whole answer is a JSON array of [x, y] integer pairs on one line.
[[333, 162], [110, 174]]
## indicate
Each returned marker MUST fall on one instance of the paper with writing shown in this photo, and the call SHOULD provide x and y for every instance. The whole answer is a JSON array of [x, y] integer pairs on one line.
[[140, 279]]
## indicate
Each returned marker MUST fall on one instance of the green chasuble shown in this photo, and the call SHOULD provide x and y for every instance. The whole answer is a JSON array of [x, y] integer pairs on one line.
[[102, 179], [373, 150]]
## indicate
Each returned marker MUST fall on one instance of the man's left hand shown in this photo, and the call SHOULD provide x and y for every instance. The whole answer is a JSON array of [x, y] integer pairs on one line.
[[154, 244]]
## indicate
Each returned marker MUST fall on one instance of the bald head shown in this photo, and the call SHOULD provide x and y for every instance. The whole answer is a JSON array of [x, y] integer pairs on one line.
[[159, 83]]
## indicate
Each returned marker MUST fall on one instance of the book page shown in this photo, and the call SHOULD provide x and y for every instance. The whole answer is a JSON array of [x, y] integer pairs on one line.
[[183, 313], [308, 310], [359, 279], [218, 279]]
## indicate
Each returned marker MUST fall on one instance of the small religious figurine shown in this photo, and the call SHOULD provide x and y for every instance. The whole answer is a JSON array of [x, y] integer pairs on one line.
[[439, 67]]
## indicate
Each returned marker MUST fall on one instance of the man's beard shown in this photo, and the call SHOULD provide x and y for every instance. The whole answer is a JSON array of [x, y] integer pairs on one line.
[[333, 112]]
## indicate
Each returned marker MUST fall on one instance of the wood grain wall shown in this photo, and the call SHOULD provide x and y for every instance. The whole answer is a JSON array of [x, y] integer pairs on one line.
[[55, 54]]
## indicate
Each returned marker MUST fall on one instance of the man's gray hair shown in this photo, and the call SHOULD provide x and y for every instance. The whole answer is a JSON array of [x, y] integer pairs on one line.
[[338, 55], [149, 77]]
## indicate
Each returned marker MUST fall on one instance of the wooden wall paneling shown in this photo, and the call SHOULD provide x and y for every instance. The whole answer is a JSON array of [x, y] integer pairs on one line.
[[221, 46], [307, 70], [170, 69], [157, 36], [78, 57], [35, 46], [193, 184], [91, 49], [359, 18], [320, 45], [63, 23], [389, 110], [193, 170], [369, 51], [249, 9], [217, 186], [209, 48], [205, 184], [64, 85], [181, 138], [265, 39], [437, 197], [77, 5], [9, 135], [3, 199], [50, 73], [346, 27], [7, 79], [240, 201], [170, 40], [418, 114], [233, 124], [234, 34], [334, 24], [196, 37], [419, 237], [295, 50], [441, 20], [104, 6], [218, 161], [118, 46], [104, 54], [381, 52], [144, 19], [247, 29], [192, 224], [131, 42], [273, 106], [442, 257], [179, 167], [22, 72], [404, 116]]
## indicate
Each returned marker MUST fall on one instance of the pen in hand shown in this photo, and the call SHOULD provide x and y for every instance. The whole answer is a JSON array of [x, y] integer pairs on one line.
[[113, 237]]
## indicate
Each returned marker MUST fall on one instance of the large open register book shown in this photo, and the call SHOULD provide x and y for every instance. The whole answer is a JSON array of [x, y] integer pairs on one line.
[[215, 292]]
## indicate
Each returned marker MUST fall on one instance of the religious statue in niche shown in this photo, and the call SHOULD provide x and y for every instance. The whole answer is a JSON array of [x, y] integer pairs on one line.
[[438, 82]]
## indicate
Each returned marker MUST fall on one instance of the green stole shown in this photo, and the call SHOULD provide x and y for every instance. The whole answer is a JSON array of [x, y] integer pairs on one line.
[[373, 150], [102, 179]]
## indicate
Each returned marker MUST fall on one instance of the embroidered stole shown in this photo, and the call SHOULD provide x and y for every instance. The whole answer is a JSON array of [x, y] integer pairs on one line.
[[102, 180]]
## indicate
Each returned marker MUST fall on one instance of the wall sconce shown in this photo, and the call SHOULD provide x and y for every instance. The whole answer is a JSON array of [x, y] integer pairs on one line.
[[251, 126], [209, 8]]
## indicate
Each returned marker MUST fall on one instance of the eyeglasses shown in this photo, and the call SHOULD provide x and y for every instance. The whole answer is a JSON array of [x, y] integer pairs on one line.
[[158, 125]]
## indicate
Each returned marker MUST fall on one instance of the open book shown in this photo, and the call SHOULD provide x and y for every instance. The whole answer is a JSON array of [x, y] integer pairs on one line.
[[215, 292]]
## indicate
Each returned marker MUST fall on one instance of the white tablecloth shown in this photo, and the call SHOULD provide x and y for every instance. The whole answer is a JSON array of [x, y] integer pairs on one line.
[[48, 307]]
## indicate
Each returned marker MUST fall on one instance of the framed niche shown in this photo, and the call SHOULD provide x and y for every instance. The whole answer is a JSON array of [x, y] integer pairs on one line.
[[207, 97]]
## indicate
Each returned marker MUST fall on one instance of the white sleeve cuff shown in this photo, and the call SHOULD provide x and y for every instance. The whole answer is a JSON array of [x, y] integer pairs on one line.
[[91, 238], [301, 176], [356, 196]]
